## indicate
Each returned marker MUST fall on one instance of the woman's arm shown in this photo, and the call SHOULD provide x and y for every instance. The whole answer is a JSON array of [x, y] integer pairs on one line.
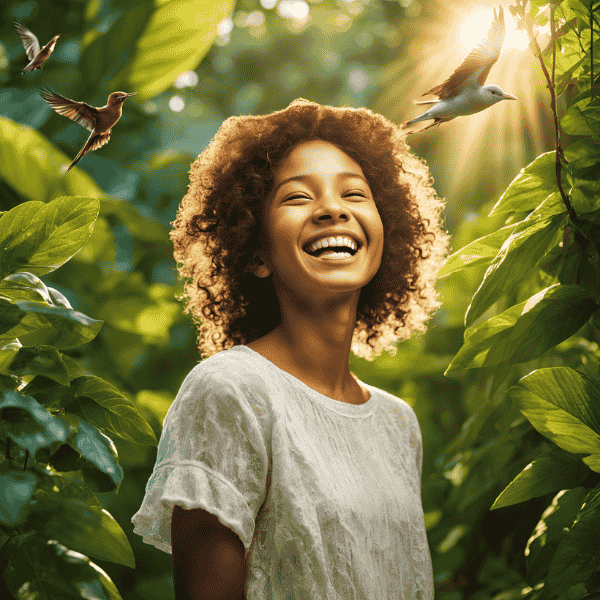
[[208, 558]]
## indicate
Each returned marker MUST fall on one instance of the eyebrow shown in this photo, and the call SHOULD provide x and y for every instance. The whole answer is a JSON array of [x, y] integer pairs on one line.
[[341, 174]]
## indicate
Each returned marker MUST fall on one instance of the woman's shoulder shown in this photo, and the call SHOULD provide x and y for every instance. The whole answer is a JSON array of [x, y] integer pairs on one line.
[[231, 379], [235, 367]]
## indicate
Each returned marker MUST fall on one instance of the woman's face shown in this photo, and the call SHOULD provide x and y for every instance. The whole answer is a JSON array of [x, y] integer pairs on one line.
[[321, 193]]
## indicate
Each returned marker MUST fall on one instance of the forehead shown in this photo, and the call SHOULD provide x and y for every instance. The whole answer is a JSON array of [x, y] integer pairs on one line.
[[316, 156]]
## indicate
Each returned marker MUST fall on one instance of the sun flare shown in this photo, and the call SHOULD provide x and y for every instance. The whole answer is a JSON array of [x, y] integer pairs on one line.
[[475, 24], [499, 140]]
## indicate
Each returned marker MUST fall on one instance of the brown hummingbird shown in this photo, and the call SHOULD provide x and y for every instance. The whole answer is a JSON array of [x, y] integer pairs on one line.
[[36, 56], [99, 121]]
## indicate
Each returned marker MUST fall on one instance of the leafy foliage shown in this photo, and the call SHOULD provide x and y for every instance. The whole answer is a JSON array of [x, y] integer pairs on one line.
[[52, 417], [540, 289]]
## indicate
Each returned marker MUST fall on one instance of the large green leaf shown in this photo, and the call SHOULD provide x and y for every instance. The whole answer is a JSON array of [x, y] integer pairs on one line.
[[39, 238], [40, 360], [152, 44], [563, 405], [520, 253], [527, 330], [530, 187], [10, 316], [16, 488], [27, 286], [96, 447], [29, 424], [542, 476], [47, 570], [66, 511], [25, 150], [544, 540], [576, 559], [52, 326], [478, 253], [101, 404]]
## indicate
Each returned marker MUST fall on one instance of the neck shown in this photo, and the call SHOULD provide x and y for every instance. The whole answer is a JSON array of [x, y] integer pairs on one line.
[[315, 342]]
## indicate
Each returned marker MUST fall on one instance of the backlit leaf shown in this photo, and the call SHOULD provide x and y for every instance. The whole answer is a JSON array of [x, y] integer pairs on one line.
[[563, 405], [542, 476], [101, 404], [520, 253], [526, 330], [530, 187]]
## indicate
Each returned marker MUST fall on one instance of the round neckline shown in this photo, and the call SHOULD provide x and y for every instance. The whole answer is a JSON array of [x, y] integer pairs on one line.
[[331, 403]]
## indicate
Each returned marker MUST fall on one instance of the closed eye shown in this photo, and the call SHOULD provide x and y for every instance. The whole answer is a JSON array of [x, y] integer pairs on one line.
[[353, 194]]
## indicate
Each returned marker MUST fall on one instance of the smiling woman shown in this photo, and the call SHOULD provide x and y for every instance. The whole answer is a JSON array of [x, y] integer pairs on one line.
[[305, 234]]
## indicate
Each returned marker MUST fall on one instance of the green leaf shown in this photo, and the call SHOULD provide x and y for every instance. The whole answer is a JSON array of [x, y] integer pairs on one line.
[[176, 36], [16, 488], [101, 404], [556, 519], [576, 558], [39, 238], [96, 447], [563, 405], [25, 150], [478, 252], [583, 153], [40, 360], [53, 326], [49, 393], [526, 330], [29, 424], [10, 316], [530, 187], [542, 476], [520, 253], [66, 511], [25, 286], [593, 462], [585, 195], [582, 118], [47, 570]]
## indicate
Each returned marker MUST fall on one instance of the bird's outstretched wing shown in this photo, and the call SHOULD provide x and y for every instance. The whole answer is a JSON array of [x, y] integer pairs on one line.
[[31, 43], [80, 112], [478, 63]]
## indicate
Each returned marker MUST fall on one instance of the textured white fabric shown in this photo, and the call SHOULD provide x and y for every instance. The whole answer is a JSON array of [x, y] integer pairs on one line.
[[324, 495]]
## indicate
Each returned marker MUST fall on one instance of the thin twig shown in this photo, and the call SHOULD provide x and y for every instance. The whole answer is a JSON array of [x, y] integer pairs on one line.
[[26, 459], [592, 50], [550, 80]]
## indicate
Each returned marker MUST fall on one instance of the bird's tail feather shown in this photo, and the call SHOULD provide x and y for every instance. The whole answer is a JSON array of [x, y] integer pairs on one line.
[[426, 101], [93, 142]]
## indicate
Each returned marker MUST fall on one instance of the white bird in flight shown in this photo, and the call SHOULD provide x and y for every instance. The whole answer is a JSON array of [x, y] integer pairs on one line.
[[463, 93]]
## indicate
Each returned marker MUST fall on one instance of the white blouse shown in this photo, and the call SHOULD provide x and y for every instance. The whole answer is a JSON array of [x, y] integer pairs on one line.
[[324, 495]]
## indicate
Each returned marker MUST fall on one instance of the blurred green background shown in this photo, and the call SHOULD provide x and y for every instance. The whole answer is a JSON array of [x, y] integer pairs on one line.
[[193, 64]]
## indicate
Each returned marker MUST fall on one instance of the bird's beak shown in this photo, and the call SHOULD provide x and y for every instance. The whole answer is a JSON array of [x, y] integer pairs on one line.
[[134, 93], [508, 97]]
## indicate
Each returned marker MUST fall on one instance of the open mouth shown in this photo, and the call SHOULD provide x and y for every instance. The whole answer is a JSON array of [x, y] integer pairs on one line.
[[333, 252]]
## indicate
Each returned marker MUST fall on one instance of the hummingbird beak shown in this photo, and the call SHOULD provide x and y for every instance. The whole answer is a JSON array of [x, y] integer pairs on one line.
[[134, 93], [508, 97]]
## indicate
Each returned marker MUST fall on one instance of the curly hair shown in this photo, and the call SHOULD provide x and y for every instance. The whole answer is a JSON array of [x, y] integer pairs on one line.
[[218, 229]]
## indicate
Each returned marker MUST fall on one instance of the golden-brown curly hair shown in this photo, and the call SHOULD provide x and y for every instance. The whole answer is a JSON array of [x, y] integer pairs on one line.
[[218, 228]]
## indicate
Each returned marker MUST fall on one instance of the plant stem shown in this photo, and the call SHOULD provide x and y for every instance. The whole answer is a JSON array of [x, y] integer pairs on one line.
[[26, 459], [7, 454], [592, 51], [550, 81]]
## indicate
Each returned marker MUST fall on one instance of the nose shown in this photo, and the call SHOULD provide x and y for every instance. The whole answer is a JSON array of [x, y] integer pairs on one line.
[[330, 208]]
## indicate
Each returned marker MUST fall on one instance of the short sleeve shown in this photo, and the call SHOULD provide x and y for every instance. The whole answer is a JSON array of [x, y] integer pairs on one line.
[[211, 455]]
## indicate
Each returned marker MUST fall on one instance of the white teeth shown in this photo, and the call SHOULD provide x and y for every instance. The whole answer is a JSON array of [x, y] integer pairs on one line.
[[331, 241]]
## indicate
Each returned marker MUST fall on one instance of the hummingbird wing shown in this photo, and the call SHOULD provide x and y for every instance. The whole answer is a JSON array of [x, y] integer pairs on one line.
[[80, 112], [31, 43], [477, 65]]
